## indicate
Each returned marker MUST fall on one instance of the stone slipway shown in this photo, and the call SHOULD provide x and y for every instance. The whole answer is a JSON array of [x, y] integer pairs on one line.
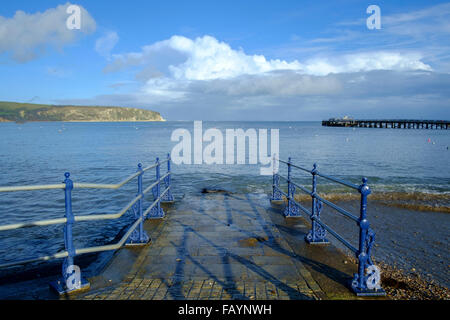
[[225, 246]]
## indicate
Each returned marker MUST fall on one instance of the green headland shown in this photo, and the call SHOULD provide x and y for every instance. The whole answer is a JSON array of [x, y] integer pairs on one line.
[[23, 112]]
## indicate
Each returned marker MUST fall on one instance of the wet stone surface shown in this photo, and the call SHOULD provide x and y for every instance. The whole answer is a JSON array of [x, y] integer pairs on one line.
[[214, 246]]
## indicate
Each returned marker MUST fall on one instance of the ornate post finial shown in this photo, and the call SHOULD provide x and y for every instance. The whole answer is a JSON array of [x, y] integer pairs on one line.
[[364, 189]]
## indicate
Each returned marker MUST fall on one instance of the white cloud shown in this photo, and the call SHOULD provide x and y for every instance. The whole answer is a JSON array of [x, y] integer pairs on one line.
[[440, 11], [26, 36], [210, 59], [176, 67], [425, 30], [428, 22], [366, 62], [163, 89], [434, 19], [106, 43], [206, 58]]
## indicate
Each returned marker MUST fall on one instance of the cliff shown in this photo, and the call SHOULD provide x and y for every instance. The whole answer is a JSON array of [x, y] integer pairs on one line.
[[22, 112]]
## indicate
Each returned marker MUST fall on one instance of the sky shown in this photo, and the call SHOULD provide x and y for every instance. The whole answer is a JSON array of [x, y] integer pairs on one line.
[[231, 60]]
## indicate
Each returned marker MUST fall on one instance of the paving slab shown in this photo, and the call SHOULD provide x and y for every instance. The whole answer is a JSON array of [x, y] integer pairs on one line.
[[217, 246], [221, 246]]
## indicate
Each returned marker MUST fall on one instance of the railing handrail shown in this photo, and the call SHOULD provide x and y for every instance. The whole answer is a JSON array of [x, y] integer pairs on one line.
[[78, 185], [316, 195], [33, 187], [328, 177], [118, 245], [139, 237], [345, 183], [337, 208], [317, 234], [294, 166], [75, 185], [107, 216], [297, 185]]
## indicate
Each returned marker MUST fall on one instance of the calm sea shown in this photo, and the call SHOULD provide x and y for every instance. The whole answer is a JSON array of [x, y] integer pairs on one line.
[[413, 165]]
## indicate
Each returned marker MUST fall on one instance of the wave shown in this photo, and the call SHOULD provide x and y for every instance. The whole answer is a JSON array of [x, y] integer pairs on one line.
[[419, 201]]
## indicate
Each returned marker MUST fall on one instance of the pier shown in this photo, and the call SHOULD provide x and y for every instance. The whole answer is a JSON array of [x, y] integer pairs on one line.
[[387, 123], [212, 246]]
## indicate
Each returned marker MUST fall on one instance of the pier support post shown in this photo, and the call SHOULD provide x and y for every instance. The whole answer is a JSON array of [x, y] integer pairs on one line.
[[139, 236], [157, 211], [168, 197], [276, 194], [71, 280], [367, 281], [291, 209], [317, 234]]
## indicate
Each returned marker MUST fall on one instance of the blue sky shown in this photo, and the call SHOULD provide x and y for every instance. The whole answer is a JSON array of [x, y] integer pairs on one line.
[[231, 60]]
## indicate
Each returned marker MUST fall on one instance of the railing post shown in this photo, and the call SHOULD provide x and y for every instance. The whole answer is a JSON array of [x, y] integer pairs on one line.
[[276, 194], [168, 197], [291, 209], [157, 211], [317, 234], [71, 280], [139, 236], [363, 283]]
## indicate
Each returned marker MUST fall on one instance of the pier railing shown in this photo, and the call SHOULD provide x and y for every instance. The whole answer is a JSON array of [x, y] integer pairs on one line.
[[366, 280], [71, 275], [388, 123]]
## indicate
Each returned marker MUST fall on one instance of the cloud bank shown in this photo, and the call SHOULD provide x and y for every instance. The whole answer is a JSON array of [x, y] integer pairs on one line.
[[178, 68], [206, 58], [207, 79], [26, 36]]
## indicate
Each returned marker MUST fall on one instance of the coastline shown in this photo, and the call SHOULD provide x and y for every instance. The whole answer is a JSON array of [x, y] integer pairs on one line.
[[29, 112], [400, 285], [83, 121], [400, 244], [414, 201]]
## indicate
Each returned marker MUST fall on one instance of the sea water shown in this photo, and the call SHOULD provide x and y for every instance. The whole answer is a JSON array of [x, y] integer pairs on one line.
[[405, 167]]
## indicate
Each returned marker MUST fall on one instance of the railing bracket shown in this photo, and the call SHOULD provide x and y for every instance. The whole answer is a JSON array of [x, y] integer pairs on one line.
[[136, 239]]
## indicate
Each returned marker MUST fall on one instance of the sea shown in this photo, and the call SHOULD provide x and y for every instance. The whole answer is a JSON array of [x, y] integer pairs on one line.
[[408, 171]]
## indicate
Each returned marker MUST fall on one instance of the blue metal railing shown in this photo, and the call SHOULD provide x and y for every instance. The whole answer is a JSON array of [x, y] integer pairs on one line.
[[136, 235], [366, 280]]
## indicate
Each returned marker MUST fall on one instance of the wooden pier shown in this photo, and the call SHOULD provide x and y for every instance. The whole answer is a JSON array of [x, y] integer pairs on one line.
[[387, 123]]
